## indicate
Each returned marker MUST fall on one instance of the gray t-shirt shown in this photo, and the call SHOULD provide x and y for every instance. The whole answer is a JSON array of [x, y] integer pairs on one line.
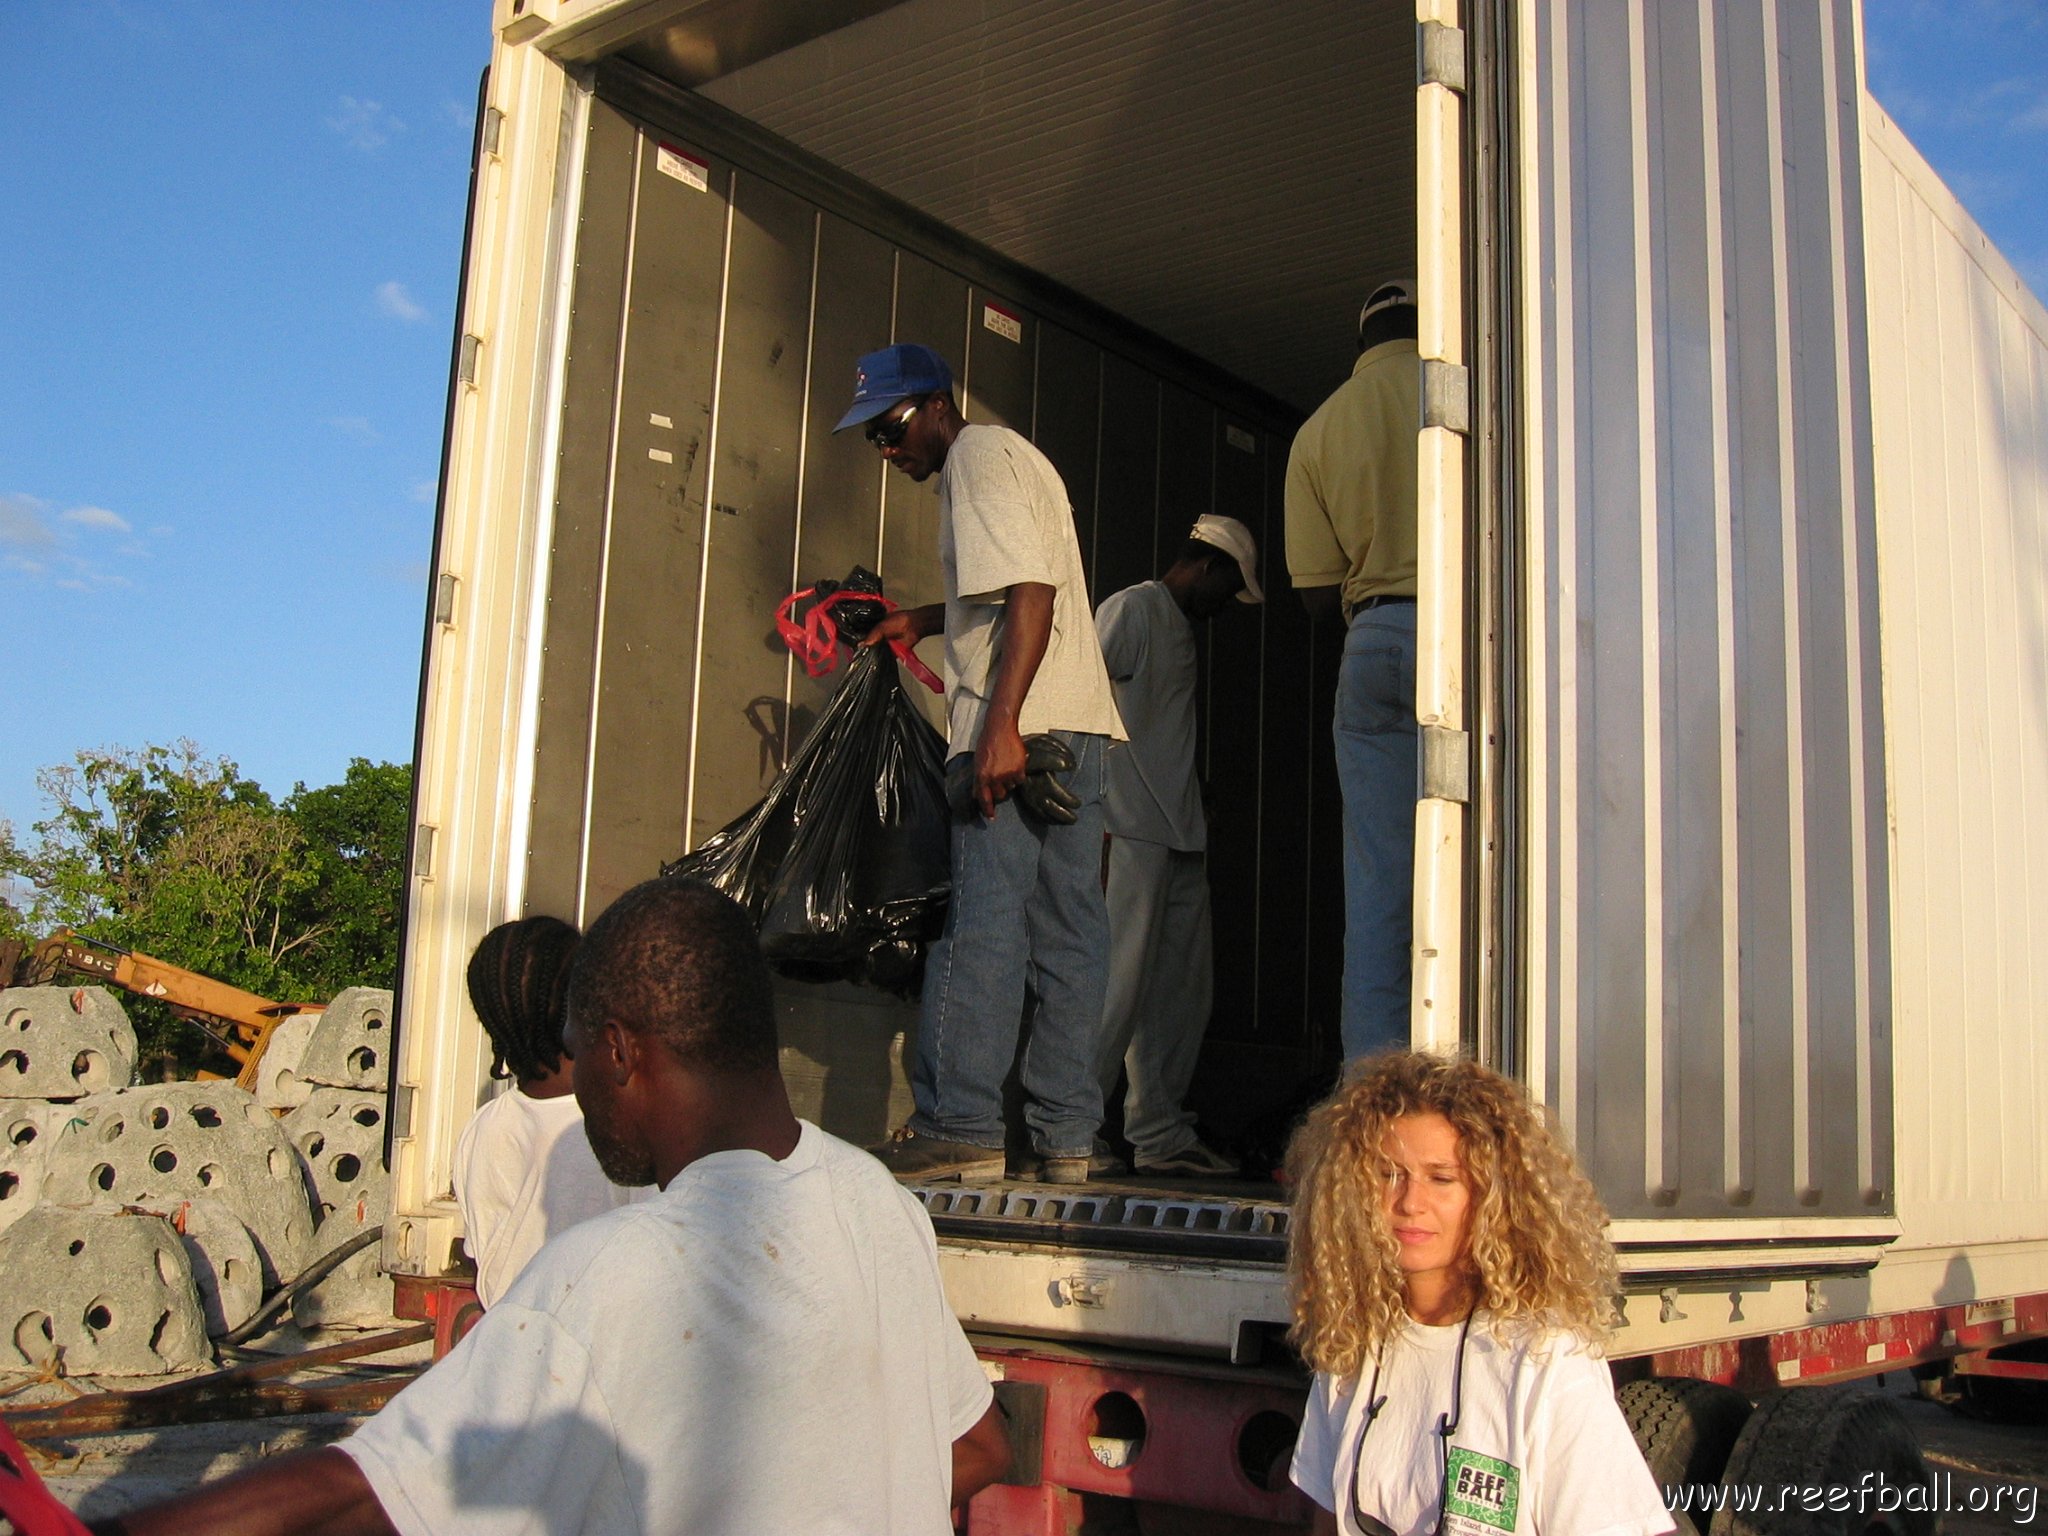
[[1149, 647], [1004, 518]]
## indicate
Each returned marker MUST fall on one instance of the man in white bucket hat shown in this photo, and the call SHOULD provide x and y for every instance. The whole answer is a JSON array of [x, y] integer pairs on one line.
[[1160, 958]]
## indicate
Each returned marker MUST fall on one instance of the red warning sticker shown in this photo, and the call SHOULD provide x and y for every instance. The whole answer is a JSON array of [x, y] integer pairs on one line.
[[683, 166], [1006, 325]]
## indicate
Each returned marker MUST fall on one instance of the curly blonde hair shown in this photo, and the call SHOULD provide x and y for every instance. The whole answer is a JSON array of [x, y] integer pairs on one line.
[[1537, 1251]]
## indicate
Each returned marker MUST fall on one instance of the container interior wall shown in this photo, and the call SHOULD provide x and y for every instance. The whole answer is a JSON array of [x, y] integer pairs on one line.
[[1708, 985], [718, 307], [1959, 365]]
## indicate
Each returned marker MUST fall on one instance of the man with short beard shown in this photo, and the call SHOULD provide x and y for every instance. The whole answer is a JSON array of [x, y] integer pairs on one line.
[[762, 1346]]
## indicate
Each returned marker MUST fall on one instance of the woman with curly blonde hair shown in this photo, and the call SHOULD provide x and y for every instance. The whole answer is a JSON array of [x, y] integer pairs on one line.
[[1452, 1283]]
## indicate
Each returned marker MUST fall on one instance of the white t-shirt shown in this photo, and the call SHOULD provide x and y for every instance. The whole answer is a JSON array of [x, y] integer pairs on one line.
[[1541, 1447], [1148, 646], [763, 1346], [1004, 518], [524, 1172]]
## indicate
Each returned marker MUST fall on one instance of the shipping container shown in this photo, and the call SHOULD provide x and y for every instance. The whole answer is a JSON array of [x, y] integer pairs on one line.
[[1733, 608]]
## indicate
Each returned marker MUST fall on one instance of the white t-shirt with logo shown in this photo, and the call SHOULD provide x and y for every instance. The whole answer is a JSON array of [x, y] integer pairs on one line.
[[1004, 518], [762, 1346], [1540, 1448], [524, 1172]]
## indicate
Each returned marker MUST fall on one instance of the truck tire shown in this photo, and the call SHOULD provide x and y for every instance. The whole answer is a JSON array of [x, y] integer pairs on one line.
[[1685, 1430], [1811, 1449]]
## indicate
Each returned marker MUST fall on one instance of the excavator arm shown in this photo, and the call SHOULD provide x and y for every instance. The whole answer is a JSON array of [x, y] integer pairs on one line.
[[240, 1022]]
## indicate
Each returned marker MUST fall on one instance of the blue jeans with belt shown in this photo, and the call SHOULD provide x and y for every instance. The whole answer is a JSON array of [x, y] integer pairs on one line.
[[1378, 768], [1026, 911]]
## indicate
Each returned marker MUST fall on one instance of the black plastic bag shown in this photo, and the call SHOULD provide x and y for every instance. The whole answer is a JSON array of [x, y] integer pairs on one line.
[[845, 865]]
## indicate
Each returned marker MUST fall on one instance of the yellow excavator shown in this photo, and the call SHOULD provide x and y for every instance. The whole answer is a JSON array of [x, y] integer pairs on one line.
[[239, 1022]]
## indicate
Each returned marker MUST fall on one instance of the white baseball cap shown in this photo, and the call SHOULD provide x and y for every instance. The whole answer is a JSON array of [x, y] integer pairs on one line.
[[1235, 540]]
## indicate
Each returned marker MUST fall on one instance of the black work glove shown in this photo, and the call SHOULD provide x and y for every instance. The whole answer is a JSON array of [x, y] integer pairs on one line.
[[1042, 794]]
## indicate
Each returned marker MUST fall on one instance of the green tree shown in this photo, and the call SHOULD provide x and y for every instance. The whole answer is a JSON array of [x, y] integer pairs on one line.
[[176, 854], [354, 838]]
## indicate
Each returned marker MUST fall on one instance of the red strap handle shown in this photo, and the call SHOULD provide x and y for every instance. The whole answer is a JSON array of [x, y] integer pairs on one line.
[[816, 640], [25, 1504]]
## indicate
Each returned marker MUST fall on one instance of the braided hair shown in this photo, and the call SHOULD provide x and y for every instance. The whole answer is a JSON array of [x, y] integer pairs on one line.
[[519, 984]]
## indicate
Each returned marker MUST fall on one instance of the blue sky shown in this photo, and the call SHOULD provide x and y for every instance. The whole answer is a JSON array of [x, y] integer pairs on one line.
[[229, 239], [227, 283]]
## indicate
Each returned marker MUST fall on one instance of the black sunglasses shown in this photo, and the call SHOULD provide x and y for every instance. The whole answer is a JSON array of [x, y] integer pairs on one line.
[[889, 433]]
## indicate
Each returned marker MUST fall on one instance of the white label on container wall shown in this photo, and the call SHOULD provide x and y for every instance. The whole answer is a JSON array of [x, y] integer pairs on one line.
[[1240, 439], [1006, 325], [684, 166]]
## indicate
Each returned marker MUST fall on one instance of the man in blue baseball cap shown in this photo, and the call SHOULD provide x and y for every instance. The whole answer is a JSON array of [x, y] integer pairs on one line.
[[1021, 661]]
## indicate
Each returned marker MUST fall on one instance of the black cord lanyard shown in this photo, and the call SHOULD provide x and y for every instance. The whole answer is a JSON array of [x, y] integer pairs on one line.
[[1446, 1423]]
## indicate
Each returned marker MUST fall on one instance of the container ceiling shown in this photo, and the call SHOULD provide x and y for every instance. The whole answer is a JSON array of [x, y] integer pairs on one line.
[[1232, 174]]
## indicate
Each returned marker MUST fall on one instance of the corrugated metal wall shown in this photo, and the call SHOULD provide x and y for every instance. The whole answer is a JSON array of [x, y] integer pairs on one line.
[[1959, 363], [716, 317], [1708, 997]]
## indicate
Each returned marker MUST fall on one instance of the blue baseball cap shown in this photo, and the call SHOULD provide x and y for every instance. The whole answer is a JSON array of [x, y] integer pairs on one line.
[[894, 373]]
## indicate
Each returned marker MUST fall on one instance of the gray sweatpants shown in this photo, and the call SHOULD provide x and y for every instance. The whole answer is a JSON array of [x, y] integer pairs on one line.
[[1161, 976]]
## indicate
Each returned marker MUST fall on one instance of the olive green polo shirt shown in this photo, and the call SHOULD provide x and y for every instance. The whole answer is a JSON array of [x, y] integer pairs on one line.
[[1351, 481]]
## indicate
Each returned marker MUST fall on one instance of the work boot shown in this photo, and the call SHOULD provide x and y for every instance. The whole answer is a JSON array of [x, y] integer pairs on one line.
[[919, 1159], [1033, 1169]]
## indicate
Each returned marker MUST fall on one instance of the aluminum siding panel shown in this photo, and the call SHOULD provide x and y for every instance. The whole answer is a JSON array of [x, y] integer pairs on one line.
[[1709, 1001]]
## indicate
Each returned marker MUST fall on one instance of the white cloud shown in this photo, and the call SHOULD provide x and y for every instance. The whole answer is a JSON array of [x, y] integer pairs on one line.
[[98, 517], [424, 491], [357, 427], [23, 524], [393, 300], [35, 544], [365, 124]]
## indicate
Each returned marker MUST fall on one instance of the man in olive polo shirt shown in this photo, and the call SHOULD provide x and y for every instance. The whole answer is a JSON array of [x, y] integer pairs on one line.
[[1351, 552]]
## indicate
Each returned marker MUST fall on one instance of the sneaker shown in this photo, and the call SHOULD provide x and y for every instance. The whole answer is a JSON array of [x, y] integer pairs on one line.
[[1197, 1160], [917, 1159]]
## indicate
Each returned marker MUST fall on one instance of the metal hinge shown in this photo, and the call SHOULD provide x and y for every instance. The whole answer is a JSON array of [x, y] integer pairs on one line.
[[1446, 395], [401, 1110], [1443, 56], [423, 852], [466, 357], [1446, 764], [444, 598]]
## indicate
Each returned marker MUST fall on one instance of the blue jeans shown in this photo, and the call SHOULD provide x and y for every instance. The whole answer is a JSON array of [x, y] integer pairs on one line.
[[1378, 767], [1026, 911]]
